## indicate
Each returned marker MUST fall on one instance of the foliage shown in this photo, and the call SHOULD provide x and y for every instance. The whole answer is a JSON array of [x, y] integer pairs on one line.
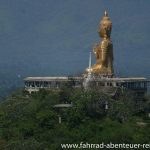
[[30, 121]]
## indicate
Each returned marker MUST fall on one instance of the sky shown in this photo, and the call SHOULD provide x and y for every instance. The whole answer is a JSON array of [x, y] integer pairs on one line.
[[54, 37]]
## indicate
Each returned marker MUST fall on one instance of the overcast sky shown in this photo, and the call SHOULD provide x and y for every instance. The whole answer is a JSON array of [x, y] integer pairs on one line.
[[54, 37]]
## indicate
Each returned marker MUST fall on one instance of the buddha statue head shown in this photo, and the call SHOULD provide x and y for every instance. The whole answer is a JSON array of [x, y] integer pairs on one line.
[[105, 26]]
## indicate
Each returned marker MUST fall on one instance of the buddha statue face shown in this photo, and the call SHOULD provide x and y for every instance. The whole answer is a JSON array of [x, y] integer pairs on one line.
[[104, 31]]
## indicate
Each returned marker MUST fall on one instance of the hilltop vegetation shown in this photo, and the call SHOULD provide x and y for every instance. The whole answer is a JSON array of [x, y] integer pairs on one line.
[[30, 122]]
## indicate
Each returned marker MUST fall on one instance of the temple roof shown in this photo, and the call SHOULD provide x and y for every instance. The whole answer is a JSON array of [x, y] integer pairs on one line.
[[115, 79]]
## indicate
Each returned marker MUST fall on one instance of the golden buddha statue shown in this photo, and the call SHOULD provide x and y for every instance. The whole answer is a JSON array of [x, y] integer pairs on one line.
[[104, 50]]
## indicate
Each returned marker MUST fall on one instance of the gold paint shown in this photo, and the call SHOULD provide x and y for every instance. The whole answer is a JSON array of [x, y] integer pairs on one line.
[[104, 50]]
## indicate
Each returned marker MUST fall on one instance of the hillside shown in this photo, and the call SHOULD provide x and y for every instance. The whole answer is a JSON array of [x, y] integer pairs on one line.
[[31, 121]]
